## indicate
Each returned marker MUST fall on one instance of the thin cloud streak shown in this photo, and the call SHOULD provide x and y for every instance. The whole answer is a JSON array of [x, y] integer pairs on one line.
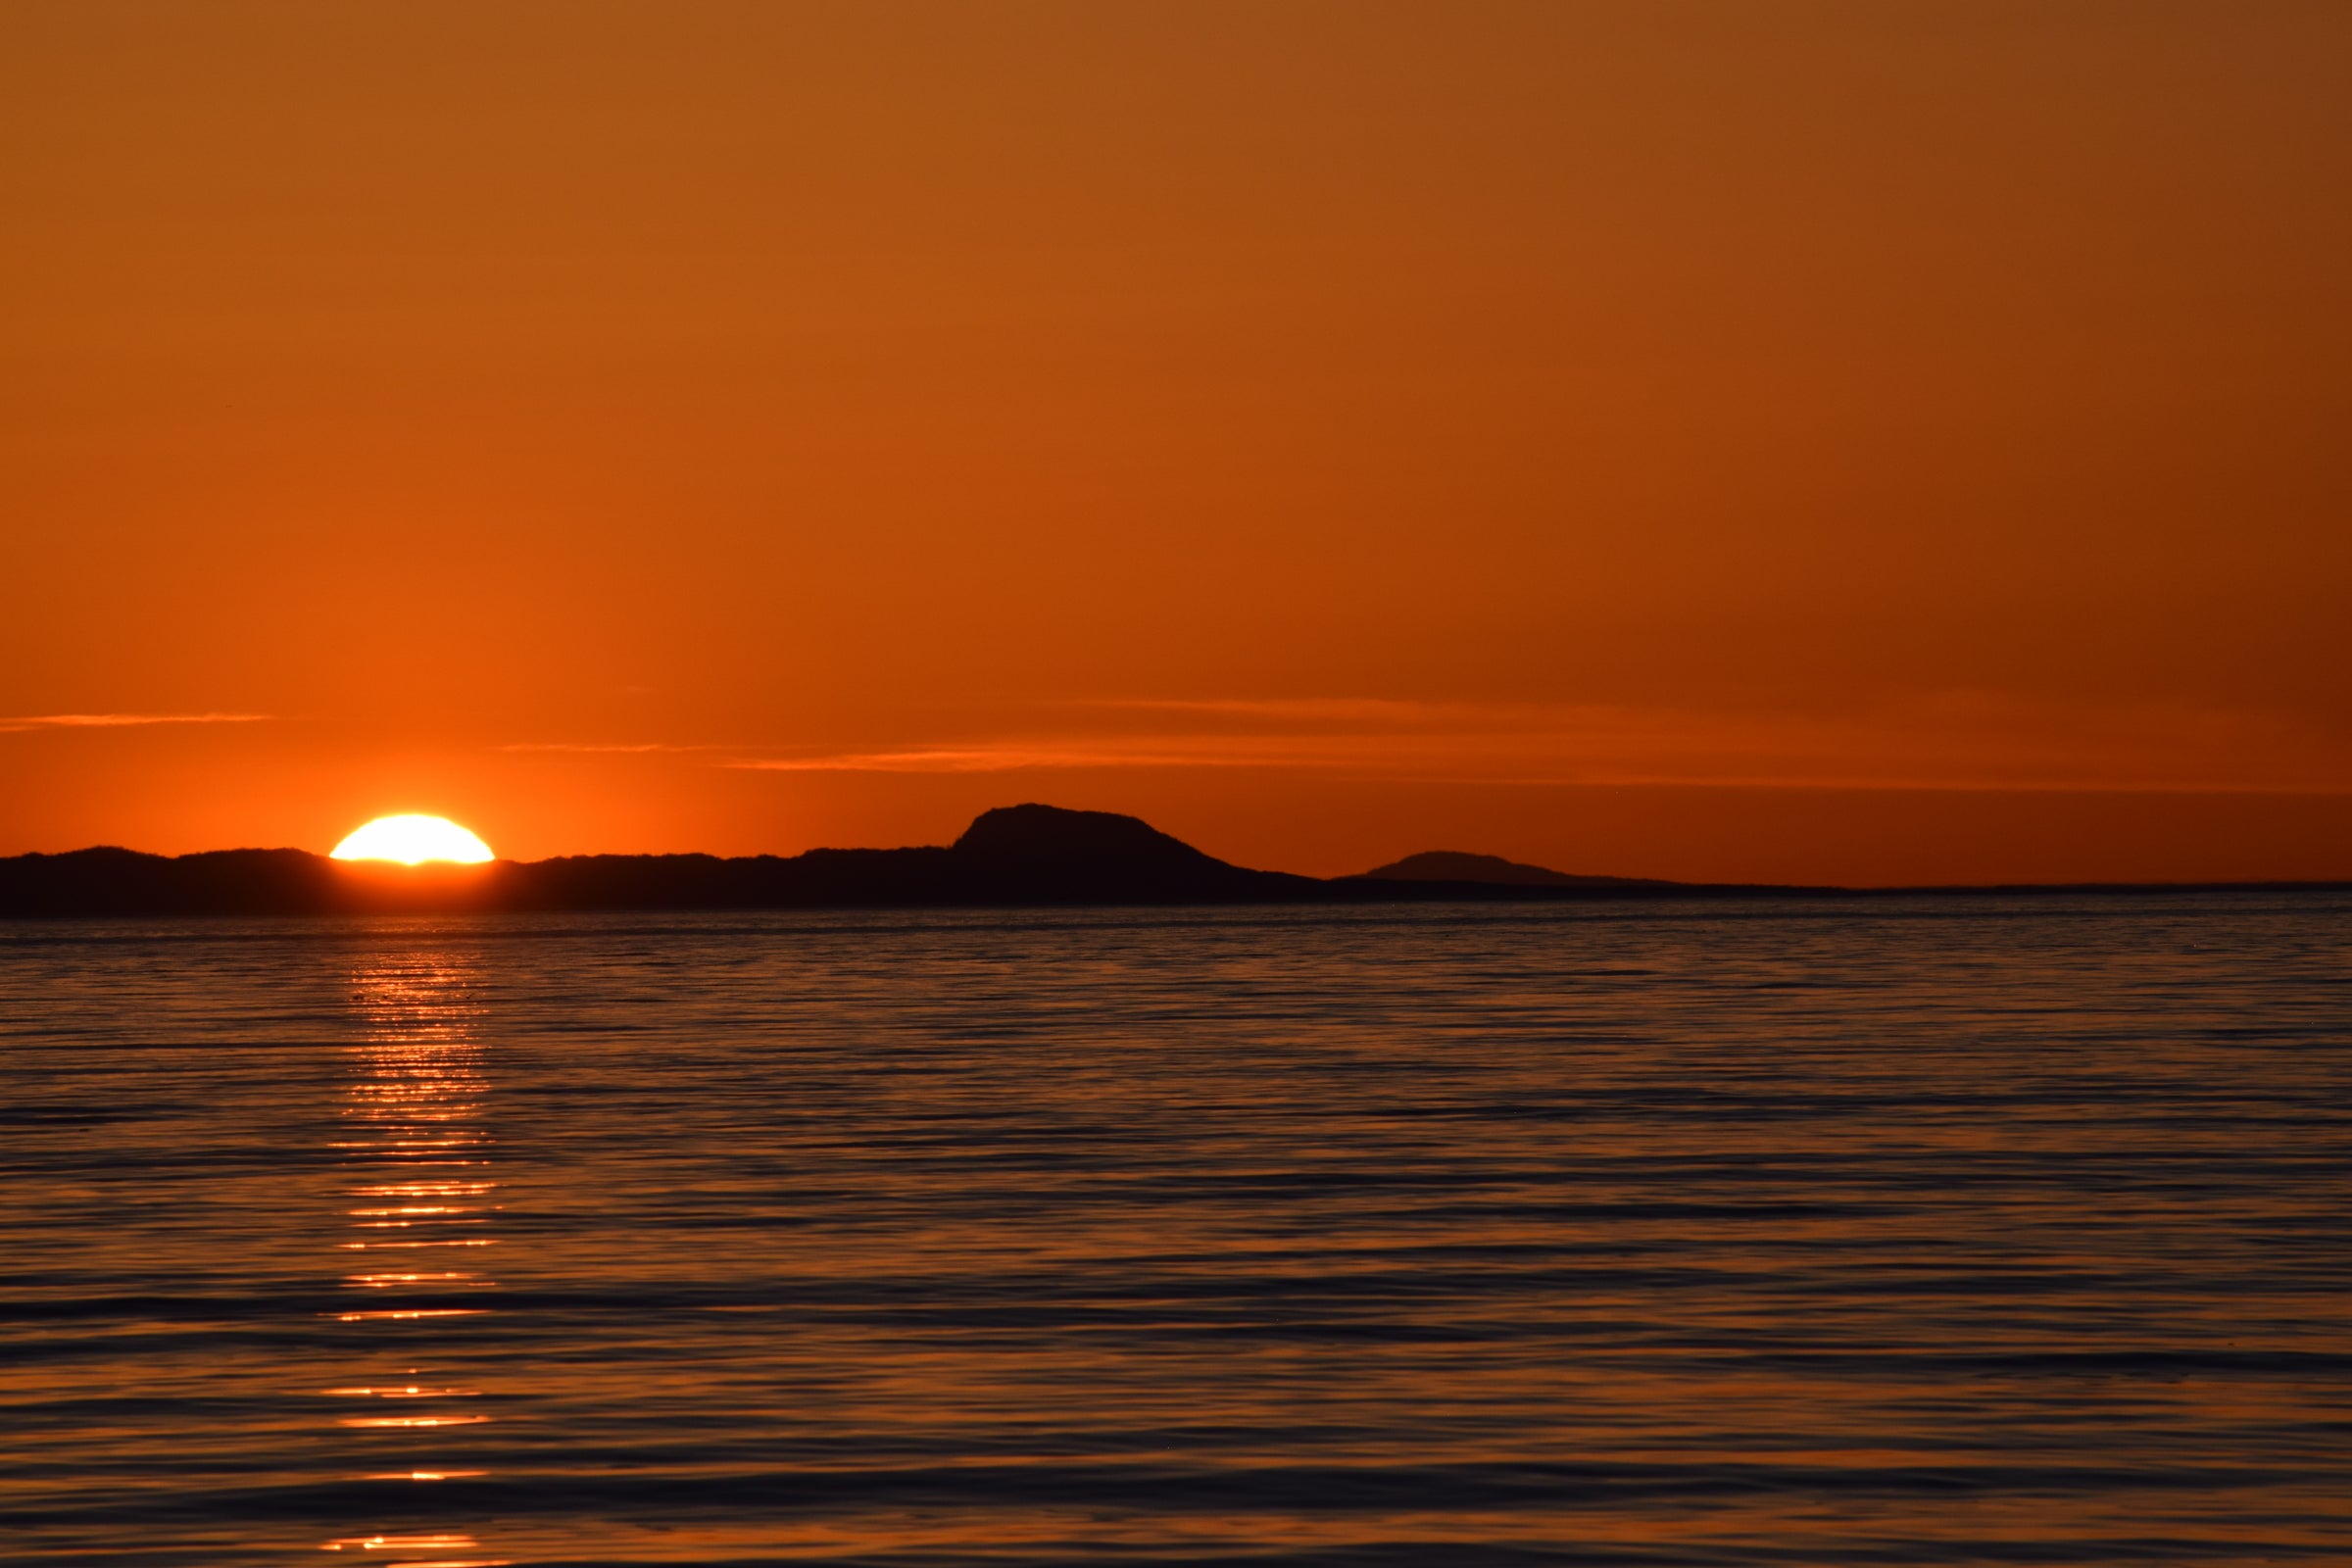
[[1953, 742], [1359, 709], [1006, 758], [1866, 783], [39, 722], [637, 747]]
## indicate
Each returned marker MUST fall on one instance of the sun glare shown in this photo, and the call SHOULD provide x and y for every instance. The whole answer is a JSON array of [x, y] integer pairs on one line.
[[412, 840]]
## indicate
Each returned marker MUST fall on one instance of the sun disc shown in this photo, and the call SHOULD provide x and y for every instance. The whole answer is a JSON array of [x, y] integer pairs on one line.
[[412, 840]]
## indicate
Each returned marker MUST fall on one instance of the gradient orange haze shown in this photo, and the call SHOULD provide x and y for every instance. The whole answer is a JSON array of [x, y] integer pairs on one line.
[[1824, 441]]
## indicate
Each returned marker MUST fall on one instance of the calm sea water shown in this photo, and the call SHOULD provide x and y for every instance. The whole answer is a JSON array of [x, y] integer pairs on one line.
[[1958, 1232]]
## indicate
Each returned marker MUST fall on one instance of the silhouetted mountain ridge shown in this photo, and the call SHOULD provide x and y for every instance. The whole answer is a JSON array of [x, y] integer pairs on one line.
[[1011, 856], [1017, 855]]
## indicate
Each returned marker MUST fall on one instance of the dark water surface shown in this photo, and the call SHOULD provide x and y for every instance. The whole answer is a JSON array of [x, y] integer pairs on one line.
[[1922, 1232]]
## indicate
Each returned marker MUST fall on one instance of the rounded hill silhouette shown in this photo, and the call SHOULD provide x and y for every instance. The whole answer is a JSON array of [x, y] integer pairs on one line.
[[1052, 853], [1492, 870]]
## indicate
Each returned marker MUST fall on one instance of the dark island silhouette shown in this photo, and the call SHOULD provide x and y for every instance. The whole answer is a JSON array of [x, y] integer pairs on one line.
[[1492, 870], [1010, 856]]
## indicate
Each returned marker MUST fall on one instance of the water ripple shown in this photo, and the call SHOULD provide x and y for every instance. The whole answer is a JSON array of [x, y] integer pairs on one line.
[[1960, 1230]]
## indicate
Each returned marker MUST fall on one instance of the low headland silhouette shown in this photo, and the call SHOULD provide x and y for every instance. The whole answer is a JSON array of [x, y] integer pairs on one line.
[[1011, 856]]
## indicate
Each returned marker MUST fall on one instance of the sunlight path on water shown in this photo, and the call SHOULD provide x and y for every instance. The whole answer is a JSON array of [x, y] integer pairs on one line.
[[416, 1143]]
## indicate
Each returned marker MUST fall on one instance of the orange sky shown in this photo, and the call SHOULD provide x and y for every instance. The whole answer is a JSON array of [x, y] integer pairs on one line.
[[1855, 441]]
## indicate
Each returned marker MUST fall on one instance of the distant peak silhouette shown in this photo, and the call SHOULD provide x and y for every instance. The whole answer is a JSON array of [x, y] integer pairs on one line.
[[1458, 865]]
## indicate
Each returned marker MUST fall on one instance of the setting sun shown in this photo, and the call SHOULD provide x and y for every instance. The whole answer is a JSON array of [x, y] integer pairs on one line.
[[412, 840]]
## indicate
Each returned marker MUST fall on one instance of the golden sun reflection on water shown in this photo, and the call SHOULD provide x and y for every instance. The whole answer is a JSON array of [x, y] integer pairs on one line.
[[415, 1141], [406, 1544]]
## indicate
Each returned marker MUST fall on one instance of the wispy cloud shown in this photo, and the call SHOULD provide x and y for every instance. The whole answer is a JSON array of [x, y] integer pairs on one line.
[[1343, 710], [124, 721], [1005, 756], [602, 747], [1947, 742]]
